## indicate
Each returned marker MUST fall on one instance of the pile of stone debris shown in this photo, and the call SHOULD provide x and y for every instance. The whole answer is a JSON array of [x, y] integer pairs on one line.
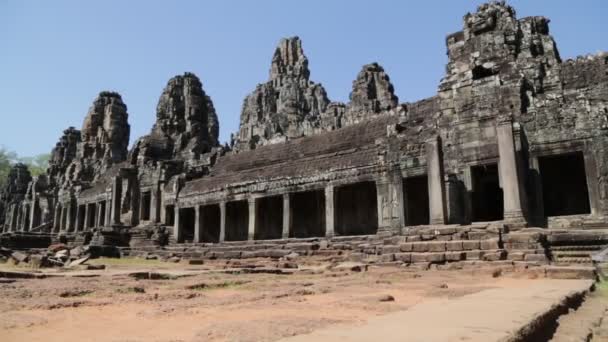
[[56, 255]]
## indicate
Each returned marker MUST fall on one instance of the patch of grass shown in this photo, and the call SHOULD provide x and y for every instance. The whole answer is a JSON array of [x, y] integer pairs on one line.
[[75, 293], [135, 289], [212, 286], [601, 288]]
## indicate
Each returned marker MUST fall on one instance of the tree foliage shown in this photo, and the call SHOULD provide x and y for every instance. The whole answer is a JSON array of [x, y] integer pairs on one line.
[[37, 164]]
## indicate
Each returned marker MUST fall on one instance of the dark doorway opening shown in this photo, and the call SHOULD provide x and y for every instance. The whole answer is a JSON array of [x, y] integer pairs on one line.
[[211, 223], [102, 213], [356, 209], [146, 203], [91, 215], [416, 195], [237, 220], [186, 224], [487, 195], [307, 214], [269, 218], [81, 217], [37, 219], [564, 184], [170, 215]]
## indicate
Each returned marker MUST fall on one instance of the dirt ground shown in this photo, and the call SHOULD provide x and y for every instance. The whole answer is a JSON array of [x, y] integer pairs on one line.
[[212, 303]]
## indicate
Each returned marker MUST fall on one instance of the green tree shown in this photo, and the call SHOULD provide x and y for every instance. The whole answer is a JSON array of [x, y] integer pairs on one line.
[[7, 158], [37, 164]]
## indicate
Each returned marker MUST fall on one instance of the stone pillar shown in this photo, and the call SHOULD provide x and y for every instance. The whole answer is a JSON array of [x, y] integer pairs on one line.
[[382, 203], [198, 224], [57, 218], [98, 216], [252, 218], [286, 216], [434, 162], [70, 216], [116, 197], [62, 222], [592, 183], [15, 218], [508, 170], [222, 221], [155, 205], [78, 217], [32, 224], [177, 229], [329, 211], [396, 187], [108, 213]]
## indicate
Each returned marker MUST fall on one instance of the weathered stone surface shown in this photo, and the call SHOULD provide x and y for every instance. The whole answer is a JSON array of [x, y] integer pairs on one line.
[[288, 106], [372, 94]]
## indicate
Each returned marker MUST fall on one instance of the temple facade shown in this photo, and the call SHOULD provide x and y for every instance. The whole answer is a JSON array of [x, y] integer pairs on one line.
[[515, 135]]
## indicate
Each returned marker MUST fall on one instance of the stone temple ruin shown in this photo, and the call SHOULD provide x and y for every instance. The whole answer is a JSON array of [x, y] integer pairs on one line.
[[507, 161]]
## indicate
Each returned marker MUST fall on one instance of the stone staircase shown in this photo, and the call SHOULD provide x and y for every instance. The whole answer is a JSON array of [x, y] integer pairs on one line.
[[576, 246]]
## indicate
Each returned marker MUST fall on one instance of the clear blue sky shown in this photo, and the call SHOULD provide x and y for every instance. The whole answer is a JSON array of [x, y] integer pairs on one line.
[[57, 55]]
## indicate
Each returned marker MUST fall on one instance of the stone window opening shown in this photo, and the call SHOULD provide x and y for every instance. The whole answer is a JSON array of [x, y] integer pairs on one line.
[[308, 214], [487, 196], [146, 204], [356, 209], [186, 224], [237, 220], [91, 215], [211, 216], [169, 215], [81, 217], [269, 218], [564, 184], [480, 72], [416, 196]]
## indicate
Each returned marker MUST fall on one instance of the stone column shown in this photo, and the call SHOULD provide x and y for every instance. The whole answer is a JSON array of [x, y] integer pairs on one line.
[[386, 201], [592, 182], [396, 188], [222, 221], [98, 216], [70, 216], [78, 217], [108, 213], [57, 218], [32, 224], [155, 205], [177, 229], [286, 216], [198, 224], [434, 163], [329, 211], [15, 218], [62, 225], [252, 218], [509, 172], [116, 196]]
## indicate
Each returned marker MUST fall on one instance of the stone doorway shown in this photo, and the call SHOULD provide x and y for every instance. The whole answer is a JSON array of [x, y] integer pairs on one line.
[[564, 184], [308, 214], [146, 204], [269, 218], [237, 220], [102, 213], [487, 197], [169, 215], [211, 223], [356, 209], [416, 196], [186, 224]]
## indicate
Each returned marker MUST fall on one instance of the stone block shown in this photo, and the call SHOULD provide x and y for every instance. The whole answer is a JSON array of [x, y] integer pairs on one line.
[[570, 272], [494, 255], [438, 246], [418, 257], [406, 247], [390, 249], [435, 257], [470, 245], [474, 255], [535, 257], [413, 238], [444, 237], [232, 255], [387, 257], [444, 231], [516, 256], [276, 253], [454, 246], [403, 257], [420, 247], [455, 256], [489, 244]]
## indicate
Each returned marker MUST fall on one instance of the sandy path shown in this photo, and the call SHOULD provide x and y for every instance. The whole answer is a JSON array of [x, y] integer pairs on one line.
[[490, 315]]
